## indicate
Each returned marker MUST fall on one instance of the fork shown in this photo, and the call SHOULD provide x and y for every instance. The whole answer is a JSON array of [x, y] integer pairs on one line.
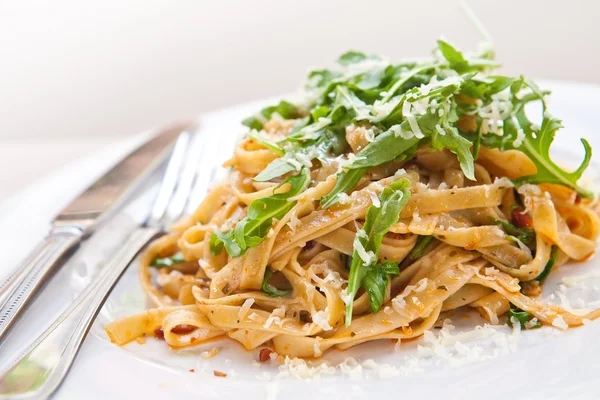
[[51, 355]]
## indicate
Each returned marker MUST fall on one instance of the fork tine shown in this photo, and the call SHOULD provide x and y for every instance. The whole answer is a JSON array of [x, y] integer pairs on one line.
[[170, 178], [187, 177], [210, 149], [216, 150]]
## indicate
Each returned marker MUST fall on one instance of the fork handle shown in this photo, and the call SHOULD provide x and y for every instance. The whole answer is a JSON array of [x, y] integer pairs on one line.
[[24, 282], [48, 359]]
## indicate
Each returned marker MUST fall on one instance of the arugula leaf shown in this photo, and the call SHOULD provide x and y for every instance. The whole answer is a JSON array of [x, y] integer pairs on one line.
[[460, 63], [320, 138], [368, 240], [351, 57], [404, 79], [386, 147], [270, 290], [276, 168], [320, 112], [519, 133], [346, 98], [390, 267], [538, 150], [522, 317], [376, 281], [266, 142], [346, 181], [525, 235], [253, 229], [322, 78], [285, 109], [168, 261], [452, 55], [458, 145], [423, 243], [549, 265], [219, 239]]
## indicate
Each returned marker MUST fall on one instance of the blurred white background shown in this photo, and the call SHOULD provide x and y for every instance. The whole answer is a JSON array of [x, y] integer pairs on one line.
[[76, 76]]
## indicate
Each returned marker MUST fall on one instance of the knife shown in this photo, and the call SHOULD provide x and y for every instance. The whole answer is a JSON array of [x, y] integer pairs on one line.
[[77, 221]]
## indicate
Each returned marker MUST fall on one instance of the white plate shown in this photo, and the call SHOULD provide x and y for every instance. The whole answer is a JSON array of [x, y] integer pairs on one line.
[[543, 364]]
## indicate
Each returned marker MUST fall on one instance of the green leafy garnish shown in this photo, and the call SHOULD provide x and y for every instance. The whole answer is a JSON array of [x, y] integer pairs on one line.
[[270, 290], [376, 281], [549, 265], [366, 246], [346, 181], [449, 102], [423, 243], [459, 62], [516, 314], [285, 109], [538, 150], [266, 142], [275, 169], [253, 229], [168, 261], [525, 235], [519, 133]]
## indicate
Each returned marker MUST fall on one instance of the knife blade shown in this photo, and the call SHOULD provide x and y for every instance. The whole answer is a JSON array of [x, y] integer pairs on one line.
[[77, 221]]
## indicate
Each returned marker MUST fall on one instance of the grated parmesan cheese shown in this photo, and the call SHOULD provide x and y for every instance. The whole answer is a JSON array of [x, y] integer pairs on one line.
[[317, 347], [321, 319], [560, 323], [374, 199], [440, 130], [346, 298], [520, 138], [207, 355], [398, 132], [412, 121], [343, 198], [254, 317], [532, 323], [293, 222], [504, 182], [245, 309], [416, 217], [370, 364], [368, 257], [275, 317]]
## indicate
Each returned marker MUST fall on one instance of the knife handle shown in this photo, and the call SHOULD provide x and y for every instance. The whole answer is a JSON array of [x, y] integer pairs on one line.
[[48, 359], [28, 278]]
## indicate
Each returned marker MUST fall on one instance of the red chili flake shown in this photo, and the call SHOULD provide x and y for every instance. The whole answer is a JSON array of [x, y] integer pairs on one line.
[[219, 374], [521, 219], [159, 334], [183, 329], [264, 355], [577, 198]]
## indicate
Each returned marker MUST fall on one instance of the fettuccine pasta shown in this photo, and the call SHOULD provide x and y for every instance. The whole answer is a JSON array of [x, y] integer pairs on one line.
[[392, 195]]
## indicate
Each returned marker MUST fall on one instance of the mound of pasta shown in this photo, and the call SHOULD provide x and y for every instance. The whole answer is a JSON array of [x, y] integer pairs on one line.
[[381, 197]]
